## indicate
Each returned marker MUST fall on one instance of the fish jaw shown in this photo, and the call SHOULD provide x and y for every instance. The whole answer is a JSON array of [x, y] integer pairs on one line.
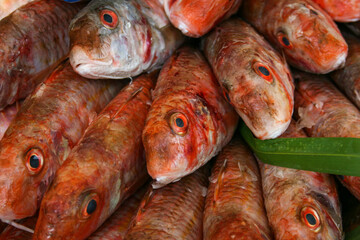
[[318, 46], [22, 191]]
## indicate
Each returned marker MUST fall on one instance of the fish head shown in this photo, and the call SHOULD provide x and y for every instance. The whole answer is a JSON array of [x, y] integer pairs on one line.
[[176, 134], [26, 169], [73, 206], [109, 39], [309, 213], [309, 37]]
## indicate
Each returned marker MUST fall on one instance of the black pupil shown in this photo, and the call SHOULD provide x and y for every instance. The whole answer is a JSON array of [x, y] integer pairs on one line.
[[286, 41], [264, 71], [91, 207], [311, 219], [108, 18], [179, 122], [34, 161]]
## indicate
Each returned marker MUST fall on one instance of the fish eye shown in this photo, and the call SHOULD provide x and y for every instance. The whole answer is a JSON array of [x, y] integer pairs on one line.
[[90, 205], [34, 160], [179, 123], [109, 18], [284, 40], [311, 218], [263, 71]]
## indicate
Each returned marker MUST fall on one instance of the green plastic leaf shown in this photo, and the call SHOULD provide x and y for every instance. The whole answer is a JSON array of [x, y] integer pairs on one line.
[[339, 156]]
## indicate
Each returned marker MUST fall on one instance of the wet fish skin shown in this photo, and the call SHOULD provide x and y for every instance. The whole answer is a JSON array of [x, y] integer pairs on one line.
[[8, 6], [305, 33], [188, 91], [106, 166], [173, 212], [7, 115], [33, 41], [141, 41], [324, 111], [116, 226], [234, 206], [348, 78], [197, 17], [340, 10], [235, 52], [288, 191], [50, 122]]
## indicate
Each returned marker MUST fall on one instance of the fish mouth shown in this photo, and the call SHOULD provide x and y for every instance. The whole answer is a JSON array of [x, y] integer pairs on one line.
[[87, 67]]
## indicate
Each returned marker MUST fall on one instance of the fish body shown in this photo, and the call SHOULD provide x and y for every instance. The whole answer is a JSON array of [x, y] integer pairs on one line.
[[189, 121], [197, 17], [50, 122], [116, 226], [305, 33], [324, 111], [13, 233], [105, 168], [33, 40], [7, 115], [121, 39], [173, 212], [8, 6], [348, 78], [237, 54], [341, 10], [234, 204], [290, 195]]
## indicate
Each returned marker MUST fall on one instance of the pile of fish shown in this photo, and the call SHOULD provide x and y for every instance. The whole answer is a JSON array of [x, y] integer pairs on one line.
[[118, 118]]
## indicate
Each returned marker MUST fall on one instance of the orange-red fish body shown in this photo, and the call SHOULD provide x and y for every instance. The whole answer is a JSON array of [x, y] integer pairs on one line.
[[105, 168], [173, 212], [121, 39], [7, 115], [301, 204], [234, 204], [341, 10], [305, 33], [189, 121], [254, 77], [116, 226], [197, 17], [348, 78], [48, 125], [325, 112], [33, 40]]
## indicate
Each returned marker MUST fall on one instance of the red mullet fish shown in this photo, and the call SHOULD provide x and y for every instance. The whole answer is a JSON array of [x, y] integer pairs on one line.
[[189, 121], [48, 125], [308, 36], [104, 169], [341, 10], [255, 79]]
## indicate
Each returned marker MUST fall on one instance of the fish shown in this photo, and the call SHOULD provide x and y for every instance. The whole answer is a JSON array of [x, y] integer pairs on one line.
[[48, 125], [173, 212], [195, 18], [189, 121], [7, 115], [301, 204], [102, 171], [121, 39], [8, 6], [304, 32], [341, 10], [253, 76], [348, 78], [323, 111], [116, 226], [34, 39], [14, 233], [234, 206]]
